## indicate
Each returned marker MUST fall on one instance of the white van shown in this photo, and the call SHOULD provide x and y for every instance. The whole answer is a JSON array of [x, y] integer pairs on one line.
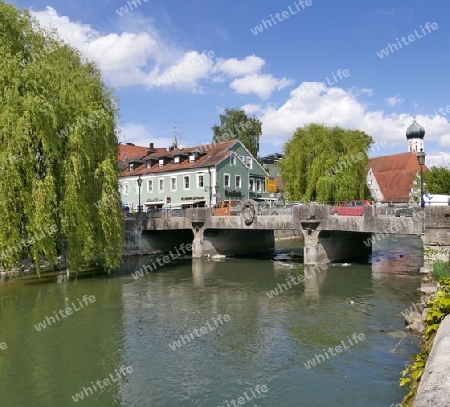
[[436, 200]]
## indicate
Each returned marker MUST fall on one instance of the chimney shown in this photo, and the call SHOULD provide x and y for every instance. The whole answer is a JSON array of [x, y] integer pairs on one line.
[[150, 149]]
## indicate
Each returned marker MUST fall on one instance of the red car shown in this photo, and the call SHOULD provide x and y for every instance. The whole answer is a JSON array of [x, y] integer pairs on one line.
[[351, 208]]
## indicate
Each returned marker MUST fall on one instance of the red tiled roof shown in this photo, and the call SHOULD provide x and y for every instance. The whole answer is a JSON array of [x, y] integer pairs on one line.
[[395, 175], [214, 153], [126, 152]]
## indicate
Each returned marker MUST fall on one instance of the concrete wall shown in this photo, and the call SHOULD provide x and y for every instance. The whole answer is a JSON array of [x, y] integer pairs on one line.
[[434, 387]]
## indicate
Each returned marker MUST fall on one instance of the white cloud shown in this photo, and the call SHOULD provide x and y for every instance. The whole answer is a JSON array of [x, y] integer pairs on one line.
[[437, 159], [444, 141], [261, 85], [143, 58], [313, 102], [251, 108], [234, 67], [141, 135], [394, 101], [361, 91], [190, 68]]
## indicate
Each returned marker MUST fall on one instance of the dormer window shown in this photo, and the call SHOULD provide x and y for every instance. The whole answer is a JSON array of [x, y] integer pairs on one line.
[[176, 159], [149, 164], [191, 158], [131, 166], [161, 162]]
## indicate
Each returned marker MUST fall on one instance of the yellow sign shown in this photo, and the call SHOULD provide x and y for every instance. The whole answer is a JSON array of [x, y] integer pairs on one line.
[[271, 184]]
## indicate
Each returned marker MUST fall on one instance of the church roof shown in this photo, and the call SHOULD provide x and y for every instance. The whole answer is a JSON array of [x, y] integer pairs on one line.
[[395, 175]]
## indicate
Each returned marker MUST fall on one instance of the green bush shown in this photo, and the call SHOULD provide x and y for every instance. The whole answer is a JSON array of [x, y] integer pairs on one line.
[[441, 270]]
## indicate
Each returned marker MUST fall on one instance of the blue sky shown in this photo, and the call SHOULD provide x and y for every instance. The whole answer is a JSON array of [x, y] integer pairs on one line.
[[286, 74]]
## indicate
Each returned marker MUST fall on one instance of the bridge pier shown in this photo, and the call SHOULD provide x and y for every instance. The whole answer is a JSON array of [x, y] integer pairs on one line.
[[326, 246], [197, 244]]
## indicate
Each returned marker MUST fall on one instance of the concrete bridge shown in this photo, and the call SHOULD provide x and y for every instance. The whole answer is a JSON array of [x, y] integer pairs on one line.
[[327, 238]]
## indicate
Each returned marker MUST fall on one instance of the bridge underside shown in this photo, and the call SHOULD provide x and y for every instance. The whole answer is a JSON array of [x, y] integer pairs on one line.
[[231, 242], [164, 240], [326, 246]]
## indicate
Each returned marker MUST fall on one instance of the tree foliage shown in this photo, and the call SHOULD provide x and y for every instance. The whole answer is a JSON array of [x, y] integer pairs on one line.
[[325, 164], [437, 180], [57, 120], [235, 123]]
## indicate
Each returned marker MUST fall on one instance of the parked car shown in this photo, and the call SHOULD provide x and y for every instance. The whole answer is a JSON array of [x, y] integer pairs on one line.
[[351, 208], [228, 207], [408, 212]]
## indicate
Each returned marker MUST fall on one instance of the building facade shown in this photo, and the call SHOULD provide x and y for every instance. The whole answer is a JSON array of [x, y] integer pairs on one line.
[[195, 176], [396, 178]]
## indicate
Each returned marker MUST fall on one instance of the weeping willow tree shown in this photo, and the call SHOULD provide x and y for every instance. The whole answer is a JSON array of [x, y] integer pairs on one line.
[[325, 164], [58, 151]]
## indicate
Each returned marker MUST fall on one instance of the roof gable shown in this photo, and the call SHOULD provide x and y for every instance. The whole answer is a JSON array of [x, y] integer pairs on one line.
[[395, 175]]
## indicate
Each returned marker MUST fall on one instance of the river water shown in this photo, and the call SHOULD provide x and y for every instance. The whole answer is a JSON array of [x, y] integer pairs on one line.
[[238, 343]]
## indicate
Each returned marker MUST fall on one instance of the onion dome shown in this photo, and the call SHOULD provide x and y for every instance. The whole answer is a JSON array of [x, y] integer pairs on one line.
[[415, 130]]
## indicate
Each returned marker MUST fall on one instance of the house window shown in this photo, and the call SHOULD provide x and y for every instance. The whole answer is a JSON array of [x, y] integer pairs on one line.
[[242, 158], [149, 164], [177, 159], [233, 160], [238, 181], [258, 185], [191, 158], [125, 188], [226, 180], [187, 182], [150, 186], [161, 162], [161, 185], [370, 182], [200, 180], [249, 162], [173, 183], [251, 185]]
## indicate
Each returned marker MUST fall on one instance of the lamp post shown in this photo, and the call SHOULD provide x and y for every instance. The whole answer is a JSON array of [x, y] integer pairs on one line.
[[139, 182], [208, 188], [421, 158]]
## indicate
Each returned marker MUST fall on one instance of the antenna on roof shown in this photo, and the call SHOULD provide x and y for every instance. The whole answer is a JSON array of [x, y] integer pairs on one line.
[[177, 136]]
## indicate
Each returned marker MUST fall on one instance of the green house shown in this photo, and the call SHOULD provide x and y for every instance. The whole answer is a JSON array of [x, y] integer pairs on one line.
[[194, 176]]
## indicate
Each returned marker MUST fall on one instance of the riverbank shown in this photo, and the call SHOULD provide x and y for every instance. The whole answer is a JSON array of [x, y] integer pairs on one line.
[[428, 374]]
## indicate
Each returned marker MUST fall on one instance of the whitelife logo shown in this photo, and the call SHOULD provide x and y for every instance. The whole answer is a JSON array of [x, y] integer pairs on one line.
[[301, 5], [203, 331], [161, 261], [260, 390], [123, 371], [338, 349], [64, 313], [391, 48]]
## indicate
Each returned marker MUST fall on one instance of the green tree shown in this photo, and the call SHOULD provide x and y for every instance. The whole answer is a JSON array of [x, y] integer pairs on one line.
[[234, 123], [325, 164], [58, 150], [437, 180]]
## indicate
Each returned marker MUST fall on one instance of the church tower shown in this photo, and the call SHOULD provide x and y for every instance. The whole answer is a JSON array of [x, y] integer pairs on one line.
[[414, 134]]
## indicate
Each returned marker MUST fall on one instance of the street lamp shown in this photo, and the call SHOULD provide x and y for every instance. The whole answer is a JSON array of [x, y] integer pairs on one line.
[[208, 188], [421, 158], [139, 182]]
